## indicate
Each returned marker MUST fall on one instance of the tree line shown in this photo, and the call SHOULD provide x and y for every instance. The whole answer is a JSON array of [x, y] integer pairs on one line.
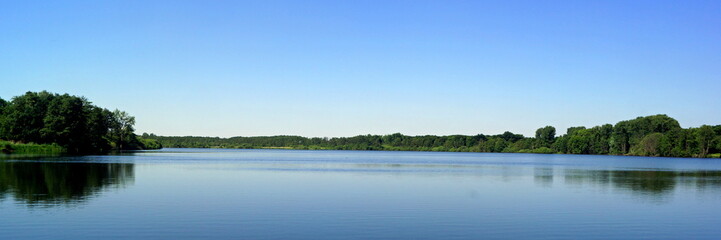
[[71, 122], [657, 135]]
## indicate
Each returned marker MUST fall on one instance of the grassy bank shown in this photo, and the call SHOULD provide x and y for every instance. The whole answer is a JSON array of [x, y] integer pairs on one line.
[[8, 147]]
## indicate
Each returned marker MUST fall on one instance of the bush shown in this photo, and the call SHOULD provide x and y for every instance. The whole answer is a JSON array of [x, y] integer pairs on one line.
[[30, 148], [543, 150]]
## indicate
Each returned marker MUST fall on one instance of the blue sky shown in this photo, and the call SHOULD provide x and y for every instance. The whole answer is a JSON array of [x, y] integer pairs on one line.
[[343, 68]]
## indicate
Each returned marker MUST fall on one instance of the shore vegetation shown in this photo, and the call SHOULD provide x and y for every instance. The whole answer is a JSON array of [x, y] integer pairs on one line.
[[44, 122], [656, 135]]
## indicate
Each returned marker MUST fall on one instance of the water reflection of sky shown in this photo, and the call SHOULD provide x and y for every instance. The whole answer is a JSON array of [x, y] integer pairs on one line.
[[281, 194], [61, 180]]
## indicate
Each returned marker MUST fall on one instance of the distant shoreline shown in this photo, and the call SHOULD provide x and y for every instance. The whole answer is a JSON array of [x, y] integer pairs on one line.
[[653, 136], [710, 156]]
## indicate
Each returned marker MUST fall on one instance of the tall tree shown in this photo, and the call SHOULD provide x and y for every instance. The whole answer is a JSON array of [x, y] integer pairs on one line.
[[65, 123], [649, 145], [122, 128], [545, 136], [511, 137], [704, 136], [98, 126], [3, 104], [25, 115], [573, 130]]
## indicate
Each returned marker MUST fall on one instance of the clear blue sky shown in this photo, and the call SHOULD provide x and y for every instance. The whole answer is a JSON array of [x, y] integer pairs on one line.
[[343, 68]]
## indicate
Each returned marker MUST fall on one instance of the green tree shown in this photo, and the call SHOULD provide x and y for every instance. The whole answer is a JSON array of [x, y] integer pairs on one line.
[[121, 129], [580, 142], [600, 139], [65, 123], [629, 133], [98, 125], [545, 136], [649, 145], [704, 137], [561, 144], [3, 105], [68, 121], [572, 130], [25, 115], [510, 137]]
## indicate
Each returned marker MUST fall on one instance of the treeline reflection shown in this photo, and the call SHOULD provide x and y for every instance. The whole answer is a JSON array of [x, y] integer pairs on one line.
[[647, 182], [52, 183]]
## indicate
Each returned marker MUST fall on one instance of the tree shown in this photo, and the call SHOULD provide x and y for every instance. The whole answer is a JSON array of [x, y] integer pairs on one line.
[[511, 137], [630, 132], [649, 145], [561, 144], [3, 103], [98, 125], [600, 139], [620, 138], [572, 130], [580, 142], [65, 123], [68, 121], [704, 137], [121, 128], [498, 144], [24, 117], [545, 136]]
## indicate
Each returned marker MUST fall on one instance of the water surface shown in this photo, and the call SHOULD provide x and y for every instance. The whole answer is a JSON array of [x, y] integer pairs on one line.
[[289, 194]]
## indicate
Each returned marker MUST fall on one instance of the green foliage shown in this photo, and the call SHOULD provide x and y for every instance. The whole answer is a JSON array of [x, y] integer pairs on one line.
[[561, 144], [657, 135], [149, 143], [545, 136], [8, 147], [580, 142], [47, 122], [511, 137], [65, 123], [3, 103], [573, 130], [541, 150], [70, 122], [121, 130], [24, 117], [648, 146], [630, 132], [704, 137]]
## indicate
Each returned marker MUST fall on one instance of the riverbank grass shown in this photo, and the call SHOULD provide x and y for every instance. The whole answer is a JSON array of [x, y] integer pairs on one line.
[[8, 147]]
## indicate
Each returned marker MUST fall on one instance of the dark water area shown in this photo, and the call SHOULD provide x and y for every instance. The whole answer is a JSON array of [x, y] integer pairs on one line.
[[292, 194]]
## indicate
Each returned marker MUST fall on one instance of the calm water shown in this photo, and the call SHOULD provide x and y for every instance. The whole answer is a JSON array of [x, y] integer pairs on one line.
[[287, 194]]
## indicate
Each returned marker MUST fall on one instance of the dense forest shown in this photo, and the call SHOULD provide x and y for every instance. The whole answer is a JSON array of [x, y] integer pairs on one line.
[[657, 135], [63, 123]]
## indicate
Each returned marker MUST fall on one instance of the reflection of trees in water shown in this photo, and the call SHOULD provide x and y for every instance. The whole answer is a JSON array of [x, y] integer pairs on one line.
[[54, 183], [543, 176], [645, 182]]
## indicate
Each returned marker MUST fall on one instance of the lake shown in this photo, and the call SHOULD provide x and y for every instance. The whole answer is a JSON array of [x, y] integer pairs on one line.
[[293, 194]]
